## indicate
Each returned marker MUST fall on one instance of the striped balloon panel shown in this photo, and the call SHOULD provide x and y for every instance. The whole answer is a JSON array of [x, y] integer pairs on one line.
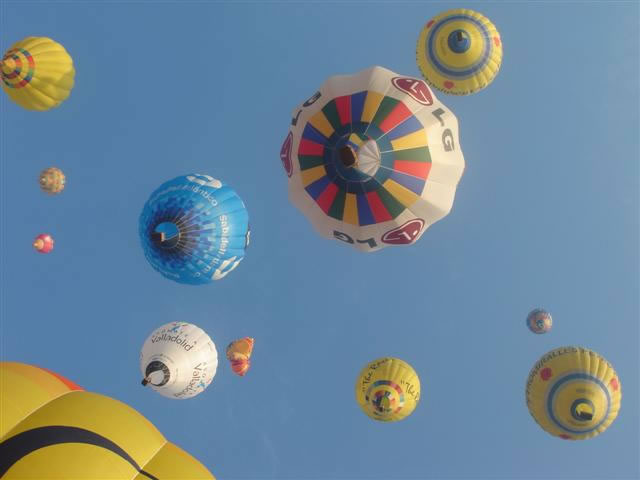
[[348, 194]]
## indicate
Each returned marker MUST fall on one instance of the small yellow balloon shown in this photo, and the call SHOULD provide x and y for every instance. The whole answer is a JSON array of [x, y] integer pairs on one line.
[[459, 51], [52, 180], [37, 73], [573, 393], [388, 389]]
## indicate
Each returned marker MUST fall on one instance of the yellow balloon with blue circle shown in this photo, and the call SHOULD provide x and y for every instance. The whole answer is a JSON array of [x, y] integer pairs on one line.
[[573, 393], [388, 389], [459, 51]]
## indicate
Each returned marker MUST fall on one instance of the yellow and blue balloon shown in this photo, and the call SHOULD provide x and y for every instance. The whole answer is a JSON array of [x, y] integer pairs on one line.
[[459, 51], [573, 393]]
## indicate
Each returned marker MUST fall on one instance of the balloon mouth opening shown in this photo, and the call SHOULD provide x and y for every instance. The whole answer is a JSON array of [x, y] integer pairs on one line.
[[583, 410], [166, 235], [459, 41], [348, 156], [38, 244], [156, 374]]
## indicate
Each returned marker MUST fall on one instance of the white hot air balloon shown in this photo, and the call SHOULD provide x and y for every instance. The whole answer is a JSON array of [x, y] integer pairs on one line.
[[178, 360]]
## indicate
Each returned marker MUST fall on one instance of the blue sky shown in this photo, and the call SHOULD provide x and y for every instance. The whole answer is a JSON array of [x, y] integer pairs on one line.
[[546, 214]]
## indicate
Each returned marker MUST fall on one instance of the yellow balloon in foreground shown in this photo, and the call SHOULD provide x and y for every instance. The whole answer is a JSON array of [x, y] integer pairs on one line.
[[573, 393], [388, 389], [50, 428], [37, 73]]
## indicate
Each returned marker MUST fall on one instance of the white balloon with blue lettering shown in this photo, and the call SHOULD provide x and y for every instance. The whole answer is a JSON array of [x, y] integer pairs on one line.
[[194, 229], [178, 360]]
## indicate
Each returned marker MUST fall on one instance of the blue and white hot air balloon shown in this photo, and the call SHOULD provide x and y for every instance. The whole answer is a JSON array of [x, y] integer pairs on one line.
[[194, 229]]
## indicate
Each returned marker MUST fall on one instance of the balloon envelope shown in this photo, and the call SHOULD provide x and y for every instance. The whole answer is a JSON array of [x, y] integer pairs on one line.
[[43, 243], [51, 428], [194, 229], [178, 360], [539, 321], [573, 393], [459, 51], [52, 180], [37, 73], [239, 354], [388, 389], [373, 159]]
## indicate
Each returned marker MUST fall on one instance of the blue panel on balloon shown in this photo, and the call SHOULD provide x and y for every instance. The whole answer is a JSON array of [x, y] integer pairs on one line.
[[194, 229]]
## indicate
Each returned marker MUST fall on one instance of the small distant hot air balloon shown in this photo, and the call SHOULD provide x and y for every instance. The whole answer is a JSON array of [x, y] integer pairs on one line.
[[239, 354], [178, 360], [37, 73], [539, 321], [43, 243], [459, 51], [52, 180], [573, 393], [388, 389]]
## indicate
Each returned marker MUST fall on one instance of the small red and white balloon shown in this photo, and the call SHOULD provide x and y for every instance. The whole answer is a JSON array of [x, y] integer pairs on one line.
[[43, 243]]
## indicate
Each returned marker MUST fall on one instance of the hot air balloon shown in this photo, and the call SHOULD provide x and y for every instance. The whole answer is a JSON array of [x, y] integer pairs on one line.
[[178, 360], [52, 428], [573, 393], [373, 159], [194, 229], [459, 51], [239, 354], [37, 73], [43, 243], [388, 389], [52, 180], [539, 321]]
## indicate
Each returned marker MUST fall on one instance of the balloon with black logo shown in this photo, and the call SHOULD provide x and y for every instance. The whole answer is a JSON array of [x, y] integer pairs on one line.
[[53, 428], [194, 229], [373, 159], [573, 393], [178, 360]]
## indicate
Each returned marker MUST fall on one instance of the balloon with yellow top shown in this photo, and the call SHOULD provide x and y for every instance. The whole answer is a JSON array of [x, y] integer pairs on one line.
[[573, 393], [52, 428], [388, 389], [37, 73], [239, 355]]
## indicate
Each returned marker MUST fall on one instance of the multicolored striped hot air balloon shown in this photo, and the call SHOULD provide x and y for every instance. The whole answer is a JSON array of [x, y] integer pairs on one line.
[[373, 159]]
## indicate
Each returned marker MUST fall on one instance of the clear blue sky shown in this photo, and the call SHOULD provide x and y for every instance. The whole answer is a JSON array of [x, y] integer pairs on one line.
[[546, 214]]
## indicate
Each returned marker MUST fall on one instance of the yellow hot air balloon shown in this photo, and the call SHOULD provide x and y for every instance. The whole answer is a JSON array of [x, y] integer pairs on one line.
[[459, 51], [52, 428], [388, 389], [37, 73], [573, 393], [52, 180]]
